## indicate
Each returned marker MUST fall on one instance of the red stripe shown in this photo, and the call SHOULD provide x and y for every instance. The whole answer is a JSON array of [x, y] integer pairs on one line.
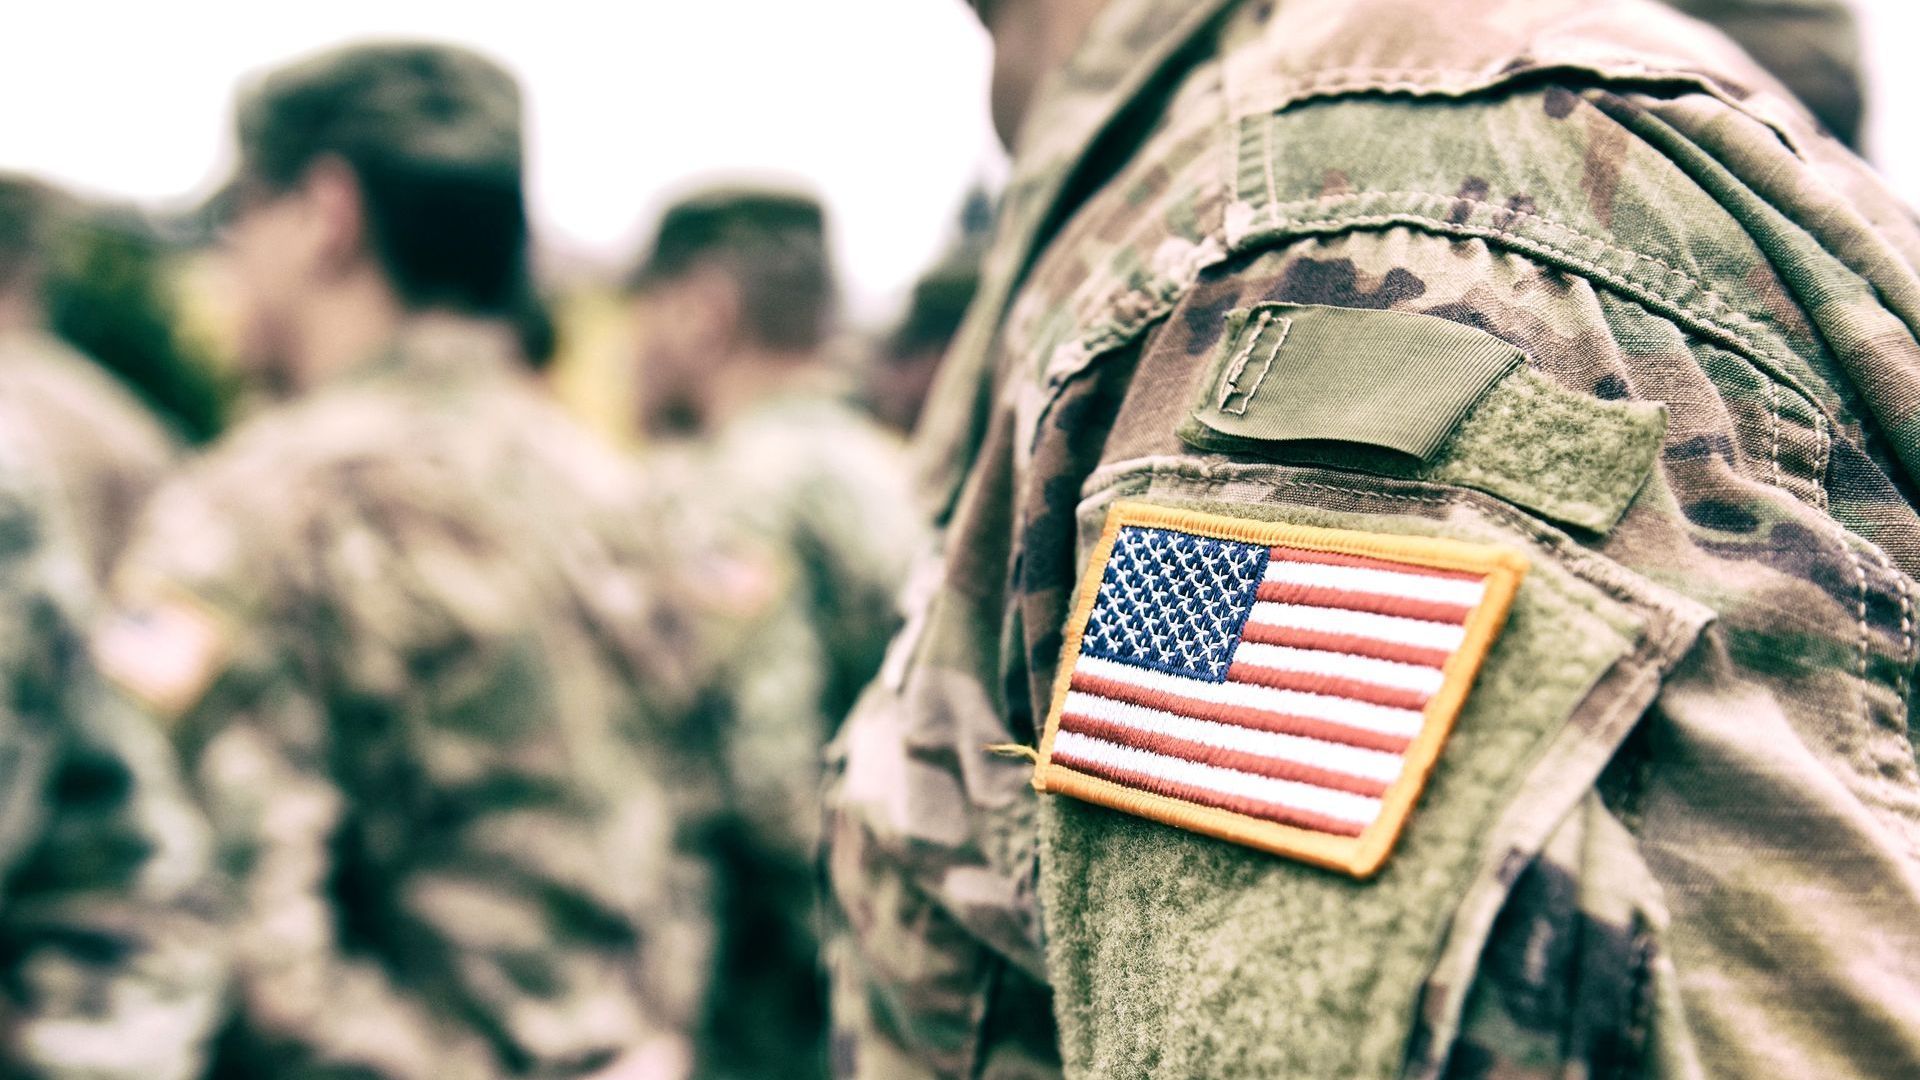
[[1406, 607], [1351, 644], [1331, 558], [1254, 808], [1310, 682], [1238, 760], [1238, 715]]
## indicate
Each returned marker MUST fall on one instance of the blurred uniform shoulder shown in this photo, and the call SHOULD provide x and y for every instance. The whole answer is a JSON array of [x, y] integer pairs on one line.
[[813, 438], [820, 476], [454, 479], [801, 486], [57, 376], [107, 451], [398, 432]]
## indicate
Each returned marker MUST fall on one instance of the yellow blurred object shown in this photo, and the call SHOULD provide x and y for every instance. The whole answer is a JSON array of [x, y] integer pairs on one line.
[[593, 371], [208, 309]]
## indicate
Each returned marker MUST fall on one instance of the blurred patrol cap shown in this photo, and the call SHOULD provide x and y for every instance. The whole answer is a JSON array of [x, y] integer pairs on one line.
[[943, 294], [729, 220], [28, 208], [415, 106]]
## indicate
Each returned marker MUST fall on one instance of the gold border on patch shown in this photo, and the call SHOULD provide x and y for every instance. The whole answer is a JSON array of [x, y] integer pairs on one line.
[[1360, 855]]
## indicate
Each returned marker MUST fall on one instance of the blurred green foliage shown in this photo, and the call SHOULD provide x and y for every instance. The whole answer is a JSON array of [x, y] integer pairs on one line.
[[108, 292]]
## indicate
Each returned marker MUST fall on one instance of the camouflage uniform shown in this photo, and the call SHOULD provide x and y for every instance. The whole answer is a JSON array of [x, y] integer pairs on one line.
[[113, 966], [1677, 829], [802, 522], [112, 452], [396, 633]]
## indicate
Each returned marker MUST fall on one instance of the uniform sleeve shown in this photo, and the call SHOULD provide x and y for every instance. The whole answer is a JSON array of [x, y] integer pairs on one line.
[[1671, 828], [1719, 668], [108, 917]]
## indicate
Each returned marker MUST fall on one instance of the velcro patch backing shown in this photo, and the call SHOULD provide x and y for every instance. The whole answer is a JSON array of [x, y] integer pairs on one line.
[[1280, 686]]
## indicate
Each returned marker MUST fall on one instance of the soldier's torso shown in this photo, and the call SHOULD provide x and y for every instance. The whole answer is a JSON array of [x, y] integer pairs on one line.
[[420, 587]]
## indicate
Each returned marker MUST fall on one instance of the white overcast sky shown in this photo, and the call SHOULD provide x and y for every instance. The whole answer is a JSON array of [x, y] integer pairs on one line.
[[878, 104]]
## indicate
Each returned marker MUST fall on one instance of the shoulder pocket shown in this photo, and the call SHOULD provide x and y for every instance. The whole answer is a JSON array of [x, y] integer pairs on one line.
[[1177, 952]]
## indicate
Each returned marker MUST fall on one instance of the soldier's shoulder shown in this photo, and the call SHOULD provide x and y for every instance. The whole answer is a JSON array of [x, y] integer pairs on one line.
[[1546, 99], [315, 444], [816, 431], [1322, 46], [224, 518], [1618, 141], [53, 384], [1603, 120], [786, 468]]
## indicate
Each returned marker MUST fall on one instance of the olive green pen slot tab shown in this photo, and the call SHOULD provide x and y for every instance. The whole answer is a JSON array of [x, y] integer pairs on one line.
[[1423, 398], [1296, 372]]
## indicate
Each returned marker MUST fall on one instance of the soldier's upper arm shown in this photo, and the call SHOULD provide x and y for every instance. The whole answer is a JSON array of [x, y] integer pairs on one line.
[[185, 630], [1468, 648]]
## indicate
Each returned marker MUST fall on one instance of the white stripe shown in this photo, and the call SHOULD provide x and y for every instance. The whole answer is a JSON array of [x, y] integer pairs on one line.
[[1404, 723], [1343, 805], [1351, 760], [1401, 631], [1384, 582], [1415, 677]]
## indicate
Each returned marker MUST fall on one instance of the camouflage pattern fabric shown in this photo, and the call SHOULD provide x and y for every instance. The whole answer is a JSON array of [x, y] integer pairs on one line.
[[1701, 856], [111, 451], [802, 523], [397, 631], [113, 966]]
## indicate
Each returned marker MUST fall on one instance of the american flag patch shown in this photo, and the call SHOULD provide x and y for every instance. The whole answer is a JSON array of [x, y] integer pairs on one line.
[[1279, 686]]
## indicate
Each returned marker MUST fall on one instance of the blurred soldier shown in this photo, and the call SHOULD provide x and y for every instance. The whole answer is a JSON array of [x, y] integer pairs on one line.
[[110, 959], [903, 371], [107, 451], [801, 507], [1425, 504], [388, 623]]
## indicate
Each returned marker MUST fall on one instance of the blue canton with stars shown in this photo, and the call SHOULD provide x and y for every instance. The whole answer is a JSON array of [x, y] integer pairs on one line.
[[1174, 602]]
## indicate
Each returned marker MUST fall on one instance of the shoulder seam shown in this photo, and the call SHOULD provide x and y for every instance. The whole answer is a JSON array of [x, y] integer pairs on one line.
[[1723, 321], [1720, 322]]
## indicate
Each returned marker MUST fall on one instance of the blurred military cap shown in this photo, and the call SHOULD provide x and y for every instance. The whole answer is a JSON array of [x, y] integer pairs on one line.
[[939, 304], [725, 220], [409, 105], [26, 207]]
